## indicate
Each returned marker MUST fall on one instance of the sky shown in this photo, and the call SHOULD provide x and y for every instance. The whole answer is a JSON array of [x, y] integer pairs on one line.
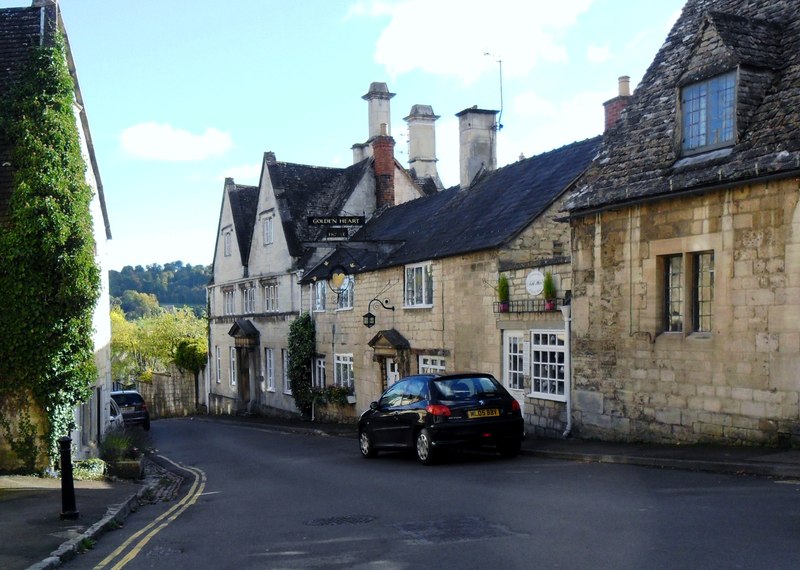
[[181, 95]]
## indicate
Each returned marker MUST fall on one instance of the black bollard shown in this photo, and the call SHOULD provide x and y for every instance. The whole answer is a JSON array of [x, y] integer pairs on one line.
[[68, 508]]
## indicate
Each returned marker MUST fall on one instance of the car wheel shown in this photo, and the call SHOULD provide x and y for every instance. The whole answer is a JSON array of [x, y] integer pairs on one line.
[[365, 445], [146, 425], [425, 452], [509, 448]]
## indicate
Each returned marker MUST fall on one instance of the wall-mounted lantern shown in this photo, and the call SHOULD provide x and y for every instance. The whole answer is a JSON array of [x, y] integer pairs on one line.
[[369, 318]]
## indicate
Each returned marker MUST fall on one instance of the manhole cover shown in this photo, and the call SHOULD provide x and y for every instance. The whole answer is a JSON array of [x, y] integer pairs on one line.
[[337, 521], [459, 529]]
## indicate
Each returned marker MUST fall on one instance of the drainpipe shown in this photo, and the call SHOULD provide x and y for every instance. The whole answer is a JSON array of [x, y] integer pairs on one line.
[[566, 311]]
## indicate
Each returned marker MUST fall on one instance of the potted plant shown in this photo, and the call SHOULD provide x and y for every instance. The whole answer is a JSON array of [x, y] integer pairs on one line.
[[549, 292], [502, 293]]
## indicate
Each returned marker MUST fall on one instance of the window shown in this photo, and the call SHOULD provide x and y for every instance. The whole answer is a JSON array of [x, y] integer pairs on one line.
[[345, 298], [271, 298], [229, 302], [343, 370], [692, 273], [419, 285], [703, 293], [268, 232], [249, 299], [287, 386], [709, 112], [319, 296], [227, 242], [218, 358], [673, 293], [431, 364], [513, 360], [233, 366], [318, 381], [269, 369], [547, 359]]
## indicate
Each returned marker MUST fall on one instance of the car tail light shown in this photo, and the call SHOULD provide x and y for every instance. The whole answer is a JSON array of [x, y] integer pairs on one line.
[[515, 406], [438, 410], [144, 406]]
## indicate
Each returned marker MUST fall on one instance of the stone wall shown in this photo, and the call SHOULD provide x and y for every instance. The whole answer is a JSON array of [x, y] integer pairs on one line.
[[738, 383], [170, 395]]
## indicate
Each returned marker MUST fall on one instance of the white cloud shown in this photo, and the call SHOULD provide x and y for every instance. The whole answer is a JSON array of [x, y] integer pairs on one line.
[[450, 37], [244, 174], [156, 141], [598, 54]]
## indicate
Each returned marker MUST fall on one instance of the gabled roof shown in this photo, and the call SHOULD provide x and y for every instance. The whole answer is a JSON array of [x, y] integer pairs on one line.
[[492, 211], [302, 190], [243, 202], [20, 30], [641, 157]]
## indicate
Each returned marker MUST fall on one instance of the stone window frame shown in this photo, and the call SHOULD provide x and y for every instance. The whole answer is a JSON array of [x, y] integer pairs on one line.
[[287, 386], [268, 229], [729, 117], [320, 290], [218, 357], [344, 300], [248, 298], [270, 296], [432, 364], [269, 368], [228, 301], [232, 368], [413, 288], [227, 242], [343, 374], [318, 376]]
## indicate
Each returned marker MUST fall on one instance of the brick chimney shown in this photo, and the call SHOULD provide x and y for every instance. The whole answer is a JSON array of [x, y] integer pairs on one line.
[[615, 106], [478, 143], [422, 142], [383, 153]]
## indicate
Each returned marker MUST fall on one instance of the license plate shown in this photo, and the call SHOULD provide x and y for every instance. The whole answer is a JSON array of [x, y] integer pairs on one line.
[[483, 413], [128, 408]]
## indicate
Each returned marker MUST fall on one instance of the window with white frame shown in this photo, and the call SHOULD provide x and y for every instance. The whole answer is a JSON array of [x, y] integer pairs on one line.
[[691, 273], [318, 380], [344, 299], [709, 113], [514, 359], [227, 240], [269, 369], [343, 370], [249, 299], [419, 285], [431, 364], [218, 359], [229, 302], [287, 385], [233, 366], [267, 227], [320, 290], [271, 298], [548, 369]]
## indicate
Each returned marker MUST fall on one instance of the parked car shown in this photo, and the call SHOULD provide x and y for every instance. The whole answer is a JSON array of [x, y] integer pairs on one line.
[[115, 419], [134, 410], [429, 413]]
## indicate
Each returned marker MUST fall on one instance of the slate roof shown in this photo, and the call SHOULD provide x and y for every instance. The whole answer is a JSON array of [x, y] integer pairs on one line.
[[20, 30], [302, 190], [492, 211], [641, 158], [243, 202]]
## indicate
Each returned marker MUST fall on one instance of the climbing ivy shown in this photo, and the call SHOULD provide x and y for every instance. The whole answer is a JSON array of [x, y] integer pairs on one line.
[[49, 281], [301, 351]]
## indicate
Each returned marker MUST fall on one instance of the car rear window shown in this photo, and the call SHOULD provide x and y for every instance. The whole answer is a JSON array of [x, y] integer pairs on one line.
[[127, 399], [466, 388]]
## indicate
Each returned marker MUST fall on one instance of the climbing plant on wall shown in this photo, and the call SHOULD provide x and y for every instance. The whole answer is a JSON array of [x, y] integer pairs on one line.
[[49, 281], [301, 351]]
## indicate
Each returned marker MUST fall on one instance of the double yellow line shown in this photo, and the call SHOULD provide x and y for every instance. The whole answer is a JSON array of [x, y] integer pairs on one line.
[[159, 523]]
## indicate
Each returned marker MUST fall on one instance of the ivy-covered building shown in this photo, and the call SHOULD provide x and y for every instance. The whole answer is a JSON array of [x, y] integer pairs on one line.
[[61, 357]]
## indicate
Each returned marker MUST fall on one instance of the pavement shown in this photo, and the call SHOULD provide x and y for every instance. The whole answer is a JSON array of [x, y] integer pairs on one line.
[[33, 536]]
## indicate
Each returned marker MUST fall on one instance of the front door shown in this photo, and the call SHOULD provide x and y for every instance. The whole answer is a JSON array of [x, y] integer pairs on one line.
[[514, 360], [392, 372]]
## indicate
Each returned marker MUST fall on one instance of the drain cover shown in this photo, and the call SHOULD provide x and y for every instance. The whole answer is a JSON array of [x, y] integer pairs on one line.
[[337, 521]]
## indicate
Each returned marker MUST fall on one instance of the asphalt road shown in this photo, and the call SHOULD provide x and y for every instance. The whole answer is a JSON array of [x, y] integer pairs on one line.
[[253, 498]]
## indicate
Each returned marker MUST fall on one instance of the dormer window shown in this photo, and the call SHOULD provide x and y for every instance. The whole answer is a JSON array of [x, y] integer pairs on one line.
[[709, 113]]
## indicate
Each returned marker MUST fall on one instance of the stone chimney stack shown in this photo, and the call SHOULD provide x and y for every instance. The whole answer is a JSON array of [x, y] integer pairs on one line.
[[383, 153], [478, 142], [378, 98], [422, 142], [615, 106]]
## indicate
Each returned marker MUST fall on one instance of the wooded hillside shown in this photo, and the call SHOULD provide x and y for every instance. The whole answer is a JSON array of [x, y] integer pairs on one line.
[[173, 284]]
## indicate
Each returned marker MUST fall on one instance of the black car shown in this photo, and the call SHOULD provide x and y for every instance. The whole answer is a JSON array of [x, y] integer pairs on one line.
[[429, 413], [134, 410]]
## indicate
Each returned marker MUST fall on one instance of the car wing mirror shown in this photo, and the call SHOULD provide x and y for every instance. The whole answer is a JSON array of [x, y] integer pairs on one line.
[[373, 406]]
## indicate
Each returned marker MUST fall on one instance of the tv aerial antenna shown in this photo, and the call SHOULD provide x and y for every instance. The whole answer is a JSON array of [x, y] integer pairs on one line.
[[499, 60]]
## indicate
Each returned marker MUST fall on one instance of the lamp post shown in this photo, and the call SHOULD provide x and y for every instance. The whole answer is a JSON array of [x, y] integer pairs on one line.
[[369, 318]]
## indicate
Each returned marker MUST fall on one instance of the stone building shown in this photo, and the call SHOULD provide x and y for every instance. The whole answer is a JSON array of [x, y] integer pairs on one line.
[[426, 272], [686, 240], [266, 240], [21, 30]]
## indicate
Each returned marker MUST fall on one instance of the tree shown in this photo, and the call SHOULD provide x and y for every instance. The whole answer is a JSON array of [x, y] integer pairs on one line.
[[49, 281]]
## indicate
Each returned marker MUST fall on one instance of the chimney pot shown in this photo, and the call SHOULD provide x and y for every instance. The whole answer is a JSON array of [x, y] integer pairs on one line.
[[624, 86]]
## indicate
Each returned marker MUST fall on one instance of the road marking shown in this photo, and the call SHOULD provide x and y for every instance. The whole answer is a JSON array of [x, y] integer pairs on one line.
[[160, 522]]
